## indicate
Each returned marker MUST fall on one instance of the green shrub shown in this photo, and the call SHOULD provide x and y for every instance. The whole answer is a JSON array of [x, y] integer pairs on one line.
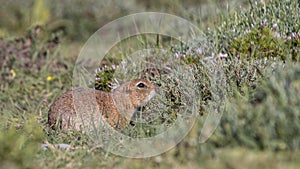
[[267, 117], [266, 30]]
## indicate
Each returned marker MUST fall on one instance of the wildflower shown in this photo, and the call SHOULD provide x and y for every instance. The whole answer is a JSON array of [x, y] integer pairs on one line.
[[13, 73], [248, 31], [113, 67], [295, 35], [264, 23], [98, 70], [277, 35], [274, 27], [199, 51], [49, 78], [123, 63], [210, 57], [221, 55]]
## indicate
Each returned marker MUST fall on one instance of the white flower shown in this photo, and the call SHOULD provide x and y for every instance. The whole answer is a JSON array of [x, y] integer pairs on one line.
[[199, 51], [221, 55], [264, 22], [274, 26], [277, 35], [210, 57]]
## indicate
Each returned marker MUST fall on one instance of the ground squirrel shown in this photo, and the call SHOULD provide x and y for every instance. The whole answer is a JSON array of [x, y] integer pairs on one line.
[[116, 107]]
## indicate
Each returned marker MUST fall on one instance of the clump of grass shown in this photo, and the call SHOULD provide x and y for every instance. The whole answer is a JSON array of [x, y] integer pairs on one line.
[[20, 144]]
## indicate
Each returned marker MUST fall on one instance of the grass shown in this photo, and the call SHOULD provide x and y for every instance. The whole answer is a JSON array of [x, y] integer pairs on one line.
[[259, 127]]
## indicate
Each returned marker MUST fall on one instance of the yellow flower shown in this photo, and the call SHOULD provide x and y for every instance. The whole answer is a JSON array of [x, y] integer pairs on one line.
[[13, 73], [49, 78]]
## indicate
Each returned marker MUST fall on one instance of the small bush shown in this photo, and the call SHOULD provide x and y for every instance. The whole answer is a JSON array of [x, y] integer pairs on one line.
[[267, 117]]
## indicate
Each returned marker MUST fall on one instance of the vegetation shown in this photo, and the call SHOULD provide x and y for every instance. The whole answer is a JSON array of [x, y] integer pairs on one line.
[[256, 45]]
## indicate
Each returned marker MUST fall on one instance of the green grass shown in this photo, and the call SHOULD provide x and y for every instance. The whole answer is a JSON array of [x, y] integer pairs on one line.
[[259, 127]]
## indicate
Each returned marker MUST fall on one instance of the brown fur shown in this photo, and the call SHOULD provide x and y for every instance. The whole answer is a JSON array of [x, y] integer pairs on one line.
[[115, 107]]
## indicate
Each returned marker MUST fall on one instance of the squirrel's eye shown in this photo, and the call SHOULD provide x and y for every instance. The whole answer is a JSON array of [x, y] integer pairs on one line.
[[141, 85]]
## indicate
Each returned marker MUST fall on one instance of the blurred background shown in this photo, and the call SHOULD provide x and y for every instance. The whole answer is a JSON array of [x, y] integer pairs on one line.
[[79, 19]]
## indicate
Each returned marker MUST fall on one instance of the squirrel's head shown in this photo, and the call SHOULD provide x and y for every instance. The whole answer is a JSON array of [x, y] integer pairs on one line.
[[138, 91]]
